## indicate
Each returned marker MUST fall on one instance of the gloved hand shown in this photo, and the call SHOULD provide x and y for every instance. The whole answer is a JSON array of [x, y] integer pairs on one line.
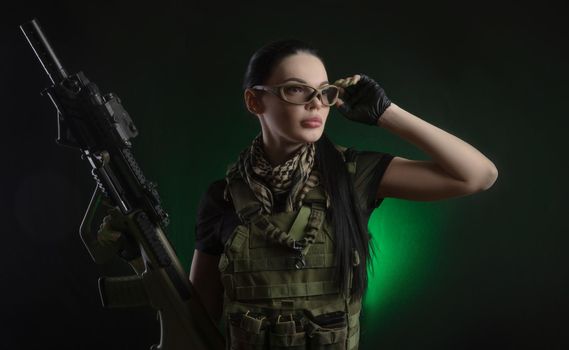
[[361, 99], [112, 227], [114, 233]]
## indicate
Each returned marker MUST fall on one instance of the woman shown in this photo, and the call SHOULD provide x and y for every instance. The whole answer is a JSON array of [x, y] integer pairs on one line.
[[281, 277], [282, 245]]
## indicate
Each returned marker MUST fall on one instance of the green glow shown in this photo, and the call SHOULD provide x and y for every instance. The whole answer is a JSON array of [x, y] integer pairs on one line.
[[405, 236]]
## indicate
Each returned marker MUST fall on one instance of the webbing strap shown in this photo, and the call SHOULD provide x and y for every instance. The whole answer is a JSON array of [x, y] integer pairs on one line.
[[297, 229], [316, 194], [354, 340], [238, 239], [272, 232], [244, 200], [289, 290], [353, 319], [282, 263], [353, 331]]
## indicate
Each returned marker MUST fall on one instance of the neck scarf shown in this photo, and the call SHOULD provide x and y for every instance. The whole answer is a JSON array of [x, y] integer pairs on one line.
[[295, 176]]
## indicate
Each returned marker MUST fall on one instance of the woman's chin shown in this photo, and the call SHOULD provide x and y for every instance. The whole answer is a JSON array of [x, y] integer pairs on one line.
[[311, 136]]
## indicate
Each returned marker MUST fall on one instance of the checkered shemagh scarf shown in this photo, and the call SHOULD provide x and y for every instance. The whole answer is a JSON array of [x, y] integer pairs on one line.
[[295, 176]]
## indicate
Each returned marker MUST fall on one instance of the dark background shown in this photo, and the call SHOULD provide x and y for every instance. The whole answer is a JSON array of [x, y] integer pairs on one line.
[[484, 271]]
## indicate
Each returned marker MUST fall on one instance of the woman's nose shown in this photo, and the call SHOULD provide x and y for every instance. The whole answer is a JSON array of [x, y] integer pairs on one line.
[[316, 101]]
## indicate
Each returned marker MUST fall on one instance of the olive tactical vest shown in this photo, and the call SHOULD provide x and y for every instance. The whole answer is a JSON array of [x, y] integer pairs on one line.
[[282, 297]]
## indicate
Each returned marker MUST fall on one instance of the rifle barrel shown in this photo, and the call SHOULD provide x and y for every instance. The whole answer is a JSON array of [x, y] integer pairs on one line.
[[43, 51]]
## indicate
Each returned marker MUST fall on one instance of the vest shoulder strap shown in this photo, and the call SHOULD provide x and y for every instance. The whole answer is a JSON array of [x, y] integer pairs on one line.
[[349, 157], [244, 200]]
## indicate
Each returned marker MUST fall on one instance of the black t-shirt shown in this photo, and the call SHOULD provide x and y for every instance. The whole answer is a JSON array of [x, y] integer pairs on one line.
[[216, 218]]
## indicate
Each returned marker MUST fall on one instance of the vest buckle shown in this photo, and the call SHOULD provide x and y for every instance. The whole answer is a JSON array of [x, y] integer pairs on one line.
[[297, 246], [299, 262]]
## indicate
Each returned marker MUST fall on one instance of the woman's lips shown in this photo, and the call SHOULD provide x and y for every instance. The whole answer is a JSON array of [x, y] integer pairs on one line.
[[311, 122]]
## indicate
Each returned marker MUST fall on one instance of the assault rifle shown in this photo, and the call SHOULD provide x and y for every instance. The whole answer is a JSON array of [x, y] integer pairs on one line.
[[101, 129]]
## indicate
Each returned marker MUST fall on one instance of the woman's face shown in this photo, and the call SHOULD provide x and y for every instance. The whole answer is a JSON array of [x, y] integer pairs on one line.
[[283, 122]]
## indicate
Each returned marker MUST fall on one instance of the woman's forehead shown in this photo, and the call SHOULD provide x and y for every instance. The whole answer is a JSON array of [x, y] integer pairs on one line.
[[302, 66]]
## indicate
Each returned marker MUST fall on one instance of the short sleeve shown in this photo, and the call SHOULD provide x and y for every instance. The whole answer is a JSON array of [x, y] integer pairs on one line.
[[370, 168], [213, 219]]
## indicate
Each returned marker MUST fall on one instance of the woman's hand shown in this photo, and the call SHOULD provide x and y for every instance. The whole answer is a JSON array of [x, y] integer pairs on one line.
[[112, 227], [108, 233], [361, 99]]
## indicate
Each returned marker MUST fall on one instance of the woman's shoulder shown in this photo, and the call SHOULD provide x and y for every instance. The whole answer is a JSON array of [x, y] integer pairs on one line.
[[353, 154], [368, 168], [216, 219], [216, 187], [213, 198]]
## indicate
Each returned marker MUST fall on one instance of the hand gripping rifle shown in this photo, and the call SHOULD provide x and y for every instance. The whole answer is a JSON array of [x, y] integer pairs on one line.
[[102, 130]]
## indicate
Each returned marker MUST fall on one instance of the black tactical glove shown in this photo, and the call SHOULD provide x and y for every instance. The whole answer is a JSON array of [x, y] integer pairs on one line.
[[114, 233], [111, 229], [364, 101]]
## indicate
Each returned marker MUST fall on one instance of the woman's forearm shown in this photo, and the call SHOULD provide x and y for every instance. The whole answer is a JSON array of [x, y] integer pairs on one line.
[[459, 159]]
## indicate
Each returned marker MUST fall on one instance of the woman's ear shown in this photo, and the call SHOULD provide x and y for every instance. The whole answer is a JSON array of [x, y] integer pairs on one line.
[[253, 102]]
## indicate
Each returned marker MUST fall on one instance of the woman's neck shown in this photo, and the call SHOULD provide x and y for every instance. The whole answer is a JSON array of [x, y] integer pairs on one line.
[[279, 151]]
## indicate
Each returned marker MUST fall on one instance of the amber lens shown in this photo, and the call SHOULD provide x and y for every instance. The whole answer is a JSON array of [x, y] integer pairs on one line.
[[303, 94], [297, 93], [330, 95]]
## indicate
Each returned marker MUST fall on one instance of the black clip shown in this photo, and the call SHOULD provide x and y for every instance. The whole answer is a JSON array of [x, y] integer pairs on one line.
[[299, 260], [297, 246]]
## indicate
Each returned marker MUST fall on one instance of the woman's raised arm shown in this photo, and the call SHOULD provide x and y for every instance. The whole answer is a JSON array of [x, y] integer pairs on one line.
[[457, 168]]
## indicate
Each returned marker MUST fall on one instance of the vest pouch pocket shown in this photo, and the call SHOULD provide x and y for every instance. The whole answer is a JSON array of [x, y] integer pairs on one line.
[[247, 331], [287, 333], [328, 331]]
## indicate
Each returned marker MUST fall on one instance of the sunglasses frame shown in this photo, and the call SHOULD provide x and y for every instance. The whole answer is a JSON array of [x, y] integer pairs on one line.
[[278, 91]]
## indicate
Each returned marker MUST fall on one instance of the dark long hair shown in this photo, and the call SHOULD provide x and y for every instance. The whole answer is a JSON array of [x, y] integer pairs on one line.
[[350, 231]]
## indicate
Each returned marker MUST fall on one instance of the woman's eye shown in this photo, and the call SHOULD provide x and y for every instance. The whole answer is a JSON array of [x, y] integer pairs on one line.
[[294, 89]]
